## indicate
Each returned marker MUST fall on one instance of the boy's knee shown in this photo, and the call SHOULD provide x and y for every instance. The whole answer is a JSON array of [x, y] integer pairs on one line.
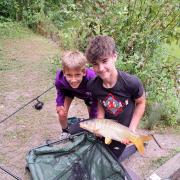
[[62, 114]]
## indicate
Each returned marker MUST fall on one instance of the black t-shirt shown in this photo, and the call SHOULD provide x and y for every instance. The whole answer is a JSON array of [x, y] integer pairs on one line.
[[118, 101]]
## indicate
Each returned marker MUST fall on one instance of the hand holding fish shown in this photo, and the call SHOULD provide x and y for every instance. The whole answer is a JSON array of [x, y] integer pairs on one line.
[[110, 129], [125, 141]]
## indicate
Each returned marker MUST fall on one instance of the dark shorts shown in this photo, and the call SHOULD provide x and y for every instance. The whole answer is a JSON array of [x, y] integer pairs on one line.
[[117, 148], [88, 102], [68, 94]]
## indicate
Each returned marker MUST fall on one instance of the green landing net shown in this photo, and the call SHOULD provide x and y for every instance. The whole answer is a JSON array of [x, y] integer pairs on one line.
[[82, 157]]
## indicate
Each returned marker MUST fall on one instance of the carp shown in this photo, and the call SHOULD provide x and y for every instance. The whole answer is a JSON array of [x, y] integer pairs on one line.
[[111, 129]]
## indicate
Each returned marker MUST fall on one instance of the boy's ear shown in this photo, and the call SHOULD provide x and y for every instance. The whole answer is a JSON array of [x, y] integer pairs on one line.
[[115, 56], [63, 71], [84, 71]]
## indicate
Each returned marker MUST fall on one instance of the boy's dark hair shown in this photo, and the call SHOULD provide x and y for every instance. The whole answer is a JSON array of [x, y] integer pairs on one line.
[[100, 47]]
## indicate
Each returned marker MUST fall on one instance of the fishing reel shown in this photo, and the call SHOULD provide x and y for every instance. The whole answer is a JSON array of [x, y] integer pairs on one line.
[[39, 105]]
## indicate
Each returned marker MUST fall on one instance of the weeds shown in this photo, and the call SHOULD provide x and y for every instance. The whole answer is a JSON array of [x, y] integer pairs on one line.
[[55, 64]]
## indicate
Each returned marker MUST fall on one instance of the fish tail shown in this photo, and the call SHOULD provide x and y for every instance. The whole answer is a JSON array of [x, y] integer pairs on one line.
[[139, 142]]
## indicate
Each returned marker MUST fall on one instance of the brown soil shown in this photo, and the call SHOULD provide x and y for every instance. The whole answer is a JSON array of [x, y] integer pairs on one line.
[[28, 77]]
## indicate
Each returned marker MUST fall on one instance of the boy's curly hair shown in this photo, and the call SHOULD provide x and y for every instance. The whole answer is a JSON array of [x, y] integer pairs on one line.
[[100, 47]]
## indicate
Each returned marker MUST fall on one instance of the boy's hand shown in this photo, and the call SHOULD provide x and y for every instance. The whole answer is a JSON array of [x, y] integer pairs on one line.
[[126, 141]]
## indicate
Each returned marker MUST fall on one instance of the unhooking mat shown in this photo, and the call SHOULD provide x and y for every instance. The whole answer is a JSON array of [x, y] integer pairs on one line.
[[82, 157]]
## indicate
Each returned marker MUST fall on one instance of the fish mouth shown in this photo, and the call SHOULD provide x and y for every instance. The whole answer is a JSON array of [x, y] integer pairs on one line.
[[81, 125]]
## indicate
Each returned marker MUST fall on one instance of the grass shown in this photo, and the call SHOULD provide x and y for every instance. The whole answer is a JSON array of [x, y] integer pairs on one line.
[[9, 30], [162, 160], [174, 49], [13, 30], [3, 159], [9, 65]]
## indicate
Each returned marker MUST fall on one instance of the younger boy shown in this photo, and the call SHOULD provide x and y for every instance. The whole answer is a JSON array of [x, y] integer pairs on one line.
[[120, 95], [71, 82]]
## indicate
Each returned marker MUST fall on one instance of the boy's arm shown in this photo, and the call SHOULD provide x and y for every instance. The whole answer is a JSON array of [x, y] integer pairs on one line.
[[59, 93], [137, 115], [60, 96], [140, 104], [100, 111], [100, 114]]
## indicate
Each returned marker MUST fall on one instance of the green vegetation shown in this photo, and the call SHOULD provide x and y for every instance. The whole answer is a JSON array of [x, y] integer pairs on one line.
[[145, 32], [54, 64], [11, 29]]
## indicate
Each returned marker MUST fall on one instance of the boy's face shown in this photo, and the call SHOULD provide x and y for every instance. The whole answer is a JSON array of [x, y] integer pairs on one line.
[[74, 76], [105, 67]]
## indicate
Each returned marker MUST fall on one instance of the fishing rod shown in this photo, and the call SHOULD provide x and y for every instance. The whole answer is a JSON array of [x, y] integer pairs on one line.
[[11, 174], [37, 106]]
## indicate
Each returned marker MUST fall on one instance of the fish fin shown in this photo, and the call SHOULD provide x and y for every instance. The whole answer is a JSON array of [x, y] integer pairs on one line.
[[108, 140], [139, 142]]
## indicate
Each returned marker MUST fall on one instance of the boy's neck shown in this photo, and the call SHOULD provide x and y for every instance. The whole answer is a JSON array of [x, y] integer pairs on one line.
[[111, 81]]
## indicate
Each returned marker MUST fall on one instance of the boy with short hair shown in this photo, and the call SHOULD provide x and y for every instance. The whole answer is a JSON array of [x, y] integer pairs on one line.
[[120, 95], [71, 82]]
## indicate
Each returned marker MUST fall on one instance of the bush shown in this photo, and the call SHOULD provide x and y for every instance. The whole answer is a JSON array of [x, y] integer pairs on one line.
[[141, 30]]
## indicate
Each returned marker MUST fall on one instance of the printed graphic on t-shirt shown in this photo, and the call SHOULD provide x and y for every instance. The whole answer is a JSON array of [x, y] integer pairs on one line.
[[113, 105]]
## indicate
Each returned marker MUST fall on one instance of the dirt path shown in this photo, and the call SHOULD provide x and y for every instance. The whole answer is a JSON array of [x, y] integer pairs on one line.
[[25, 73]]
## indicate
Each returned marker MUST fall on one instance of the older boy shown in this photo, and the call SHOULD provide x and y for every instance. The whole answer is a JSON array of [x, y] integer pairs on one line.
[[120, 95], [71, 82]]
